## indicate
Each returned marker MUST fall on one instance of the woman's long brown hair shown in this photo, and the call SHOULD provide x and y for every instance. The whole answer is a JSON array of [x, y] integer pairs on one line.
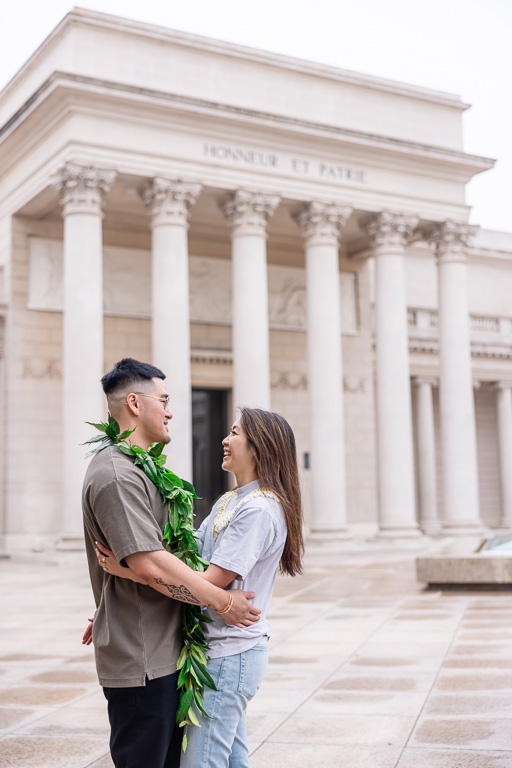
[[273, 443]]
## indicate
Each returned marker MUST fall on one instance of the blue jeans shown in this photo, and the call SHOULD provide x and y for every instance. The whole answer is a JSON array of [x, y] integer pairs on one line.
[[220, 742]]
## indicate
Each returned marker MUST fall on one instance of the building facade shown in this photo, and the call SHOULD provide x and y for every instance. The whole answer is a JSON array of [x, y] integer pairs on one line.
[[270, 232]]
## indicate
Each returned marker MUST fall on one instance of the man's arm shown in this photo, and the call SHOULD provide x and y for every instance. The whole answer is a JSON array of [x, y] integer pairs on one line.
[[167, 574], [218, 576]]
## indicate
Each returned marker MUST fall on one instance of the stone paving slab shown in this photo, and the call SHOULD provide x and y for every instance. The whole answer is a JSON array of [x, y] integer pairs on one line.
[[367, 668]]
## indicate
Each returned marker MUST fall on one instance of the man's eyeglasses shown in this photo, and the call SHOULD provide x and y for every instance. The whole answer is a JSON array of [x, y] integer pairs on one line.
[[164, 399]]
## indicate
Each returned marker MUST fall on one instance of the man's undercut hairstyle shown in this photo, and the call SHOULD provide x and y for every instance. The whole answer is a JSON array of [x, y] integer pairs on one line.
[[129, 374]]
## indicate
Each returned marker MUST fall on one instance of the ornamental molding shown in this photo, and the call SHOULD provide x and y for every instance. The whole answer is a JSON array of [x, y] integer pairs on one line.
[[388, 229], [169, 200], [424, 347], [211, 356], [248, 212], [321, 223], [83, 189]]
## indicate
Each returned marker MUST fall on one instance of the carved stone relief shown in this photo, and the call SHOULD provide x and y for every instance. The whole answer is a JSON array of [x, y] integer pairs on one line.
[[127, 287], [210, 290], [126, 282], [37, 368], [293, 380], [45, 287]]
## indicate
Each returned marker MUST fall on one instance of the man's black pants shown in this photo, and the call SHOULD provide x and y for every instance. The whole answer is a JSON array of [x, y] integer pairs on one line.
[[143, 732]]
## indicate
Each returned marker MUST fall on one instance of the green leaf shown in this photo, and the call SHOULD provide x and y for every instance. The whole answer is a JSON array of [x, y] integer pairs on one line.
[[155, 449], [96, 439], [203, 673], [184, 705], [172, 478], [193, 717], [182, 658], [189, 487], [101, 426], [182, 677], [198, 654], [184, 743], [112, 423], [126, 433], [198, 701], [128, 449]]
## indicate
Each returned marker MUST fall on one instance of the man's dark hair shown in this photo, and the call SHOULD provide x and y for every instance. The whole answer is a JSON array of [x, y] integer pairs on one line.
[[129, 373]]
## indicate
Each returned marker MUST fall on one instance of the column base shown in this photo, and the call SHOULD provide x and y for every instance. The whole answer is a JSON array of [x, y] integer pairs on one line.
[[71, 542], [400, 532], [464, 529], [327, 535], [503, 525], [431, 527]]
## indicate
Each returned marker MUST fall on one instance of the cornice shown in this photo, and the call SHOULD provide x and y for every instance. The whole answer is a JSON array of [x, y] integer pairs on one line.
[[488, 351], [120, 25], [81, 83]]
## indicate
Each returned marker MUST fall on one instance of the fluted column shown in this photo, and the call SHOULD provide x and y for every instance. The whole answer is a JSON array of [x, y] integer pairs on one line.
[[82, 191], [504, 422], [456, 398], [389, 233], [248, 213], [426, 444], [321, 225], [169, 204]]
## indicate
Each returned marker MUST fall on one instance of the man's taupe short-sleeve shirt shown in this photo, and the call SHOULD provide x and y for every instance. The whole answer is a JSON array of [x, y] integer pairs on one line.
[[136, 630]]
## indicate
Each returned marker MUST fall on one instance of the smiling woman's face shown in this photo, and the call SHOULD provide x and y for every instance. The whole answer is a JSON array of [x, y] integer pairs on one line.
[[238, 456]]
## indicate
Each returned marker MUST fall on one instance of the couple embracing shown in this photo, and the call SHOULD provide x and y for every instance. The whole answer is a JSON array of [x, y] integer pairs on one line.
[[139, 586]]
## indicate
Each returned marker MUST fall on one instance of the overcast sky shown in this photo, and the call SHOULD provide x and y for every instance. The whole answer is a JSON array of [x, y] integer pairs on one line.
[[459, 46]]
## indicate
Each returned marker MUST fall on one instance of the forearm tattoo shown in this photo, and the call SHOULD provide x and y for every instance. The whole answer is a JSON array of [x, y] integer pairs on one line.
[[179, 593]]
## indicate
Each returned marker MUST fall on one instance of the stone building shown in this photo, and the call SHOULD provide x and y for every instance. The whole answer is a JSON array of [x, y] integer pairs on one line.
[[270, 232]]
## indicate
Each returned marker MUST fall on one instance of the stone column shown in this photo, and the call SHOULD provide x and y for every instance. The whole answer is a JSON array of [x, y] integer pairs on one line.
[[321, 223], [456, 398], [82, 192], [427, 484], [169, 203], [248, 213], [397, 517], [3, 552], [504, 422]]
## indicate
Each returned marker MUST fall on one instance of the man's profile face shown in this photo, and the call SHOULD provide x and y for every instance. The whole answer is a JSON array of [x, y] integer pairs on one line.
[[154, 415]]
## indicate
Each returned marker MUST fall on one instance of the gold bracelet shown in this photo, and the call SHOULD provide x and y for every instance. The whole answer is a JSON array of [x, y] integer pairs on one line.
[[228, 606]]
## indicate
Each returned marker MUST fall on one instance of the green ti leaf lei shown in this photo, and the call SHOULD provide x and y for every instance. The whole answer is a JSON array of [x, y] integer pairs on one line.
[[178, 496]]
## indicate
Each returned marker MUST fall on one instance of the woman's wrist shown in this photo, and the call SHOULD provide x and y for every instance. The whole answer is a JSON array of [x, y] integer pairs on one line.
[[228, 605]]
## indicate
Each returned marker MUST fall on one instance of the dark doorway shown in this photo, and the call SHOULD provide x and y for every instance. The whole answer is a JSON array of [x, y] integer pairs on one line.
[[209, 420]]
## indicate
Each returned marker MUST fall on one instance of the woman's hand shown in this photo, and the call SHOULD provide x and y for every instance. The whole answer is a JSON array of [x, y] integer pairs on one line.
[[87, 638], [242, 613], [108, 562]]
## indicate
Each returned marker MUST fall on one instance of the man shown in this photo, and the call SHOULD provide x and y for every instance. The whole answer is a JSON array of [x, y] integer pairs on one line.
[[136, 628]]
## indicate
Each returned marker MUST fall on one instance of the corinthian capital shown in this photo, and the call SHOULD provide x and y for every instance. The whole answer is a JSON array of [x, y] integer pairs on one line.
[[83, 188], [450, 240], [390, 229], [322, 222], [169, 202], [248, 212]]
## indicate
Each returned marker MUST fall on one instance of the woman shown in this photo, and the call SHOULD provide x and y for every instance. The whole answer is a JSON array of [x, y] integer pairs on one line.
[[250, 532]]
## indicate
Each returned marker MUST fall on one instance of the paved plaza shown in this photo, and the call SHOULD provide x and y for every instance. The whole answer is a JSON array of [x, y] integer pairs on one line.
[[367, 668]]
